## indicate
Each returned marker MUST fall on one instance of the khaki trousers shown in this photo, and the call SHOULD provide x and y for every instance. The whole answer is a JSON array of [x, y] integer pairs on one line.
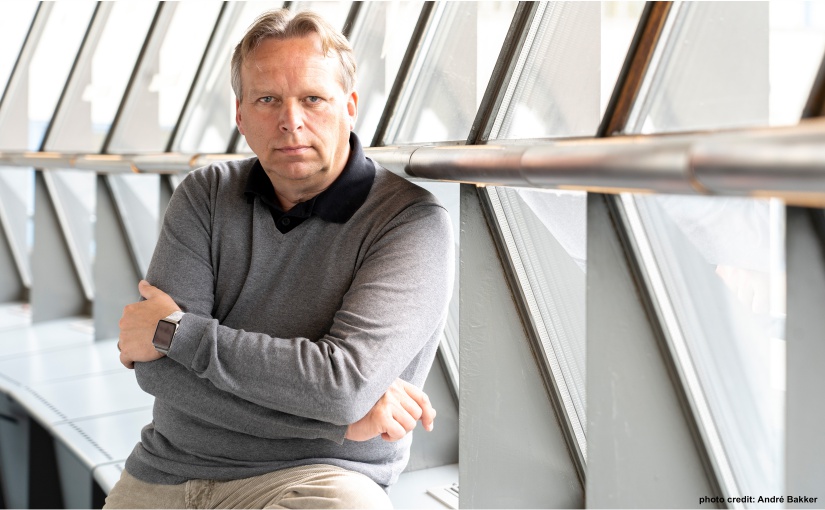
[[316, 486]]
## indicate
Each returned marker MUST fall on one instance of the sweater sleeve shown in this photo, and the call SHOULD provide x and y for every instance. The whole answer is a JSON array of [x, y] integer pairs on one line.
[[393, 312]]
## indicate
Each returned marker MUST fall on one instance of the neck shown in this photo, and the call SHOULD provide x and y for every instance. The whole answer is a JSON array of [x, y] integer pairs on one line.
[[290, 198], [291, 193]]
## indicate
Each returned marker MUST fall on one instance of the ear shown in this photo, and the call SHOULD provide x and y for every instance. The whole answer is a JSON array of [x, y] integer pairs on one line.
[[238, 120], [352, 109]]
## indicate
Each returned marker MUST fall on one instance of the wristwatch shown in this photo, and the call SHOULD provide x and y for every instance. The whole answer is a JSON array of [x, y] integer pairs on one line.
[[165, 332]]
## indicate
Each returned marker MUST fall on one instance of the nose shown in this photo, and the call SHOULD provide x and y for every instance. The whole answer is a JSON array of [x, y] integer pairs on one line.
[[291, 119]]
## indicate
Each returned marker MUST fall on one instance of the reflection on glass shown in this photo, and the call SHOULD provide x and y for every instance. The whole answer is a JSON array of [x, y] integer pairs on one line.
[[167, 70], [379, 40], [554, 89], [722, 262], [209, 120], [449, 195], [709, 71], [797, 45], [545, 233], [451, 72], [14, 25]]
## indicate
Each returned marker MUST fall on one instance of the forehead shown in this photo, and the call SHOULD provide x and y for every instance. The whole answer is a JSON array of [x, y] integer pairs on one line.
[[289, 56]]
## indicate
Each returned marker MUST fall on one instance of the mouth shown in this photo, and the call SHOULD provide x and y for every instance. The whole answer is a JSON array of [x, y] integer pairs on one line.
[[293, 150]]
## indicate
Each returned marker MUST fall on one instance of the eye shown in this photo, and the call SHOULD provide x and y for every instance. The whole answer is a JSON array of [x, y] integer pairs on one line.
[[267, 99], [313, 99]]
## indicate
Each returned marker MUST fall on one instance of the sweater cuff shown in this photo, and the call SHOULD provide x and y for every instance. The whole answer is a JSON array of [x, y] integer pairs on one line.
[[191, 329]]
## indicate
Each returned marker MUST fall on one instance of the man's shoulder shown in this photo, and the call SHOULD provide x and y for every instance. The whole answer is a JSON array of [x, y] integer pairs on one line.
[[230, 173], [389, 188]]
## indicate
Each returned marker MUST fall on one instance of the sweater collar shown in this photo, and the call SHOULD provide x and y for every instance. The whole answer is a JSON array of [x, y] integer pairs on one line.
[[335, 204]]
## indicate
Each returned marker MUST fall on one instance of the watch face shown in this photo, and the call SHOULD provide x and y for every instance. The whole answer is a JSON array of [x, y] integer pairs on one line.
[[164, 334]]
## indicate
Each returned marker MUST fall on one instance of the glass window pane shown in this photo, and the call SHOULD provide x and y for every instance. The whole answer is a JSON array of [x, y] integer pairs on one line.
[[75, 198], [16, 215], [138, 201], [14, 25], [333, 11], [30, 101], [554, 90], [450, 74], [722, 263], [167, 71], [379, 40], [710, 70], [209, 120], [797, 45], [98, 83], [545, 233], [49, 68]]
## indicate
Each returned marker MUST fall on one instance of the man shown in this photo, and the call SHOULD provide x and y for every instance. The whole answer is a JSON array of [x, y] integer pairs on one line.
[[314, 287]]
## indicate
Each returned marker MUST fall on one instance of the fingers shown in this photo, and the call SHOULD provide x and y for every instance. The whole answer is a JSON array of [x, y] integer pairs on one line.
[[424, 410], [146, 289], [126, 362], [394, 415], [397, 426]]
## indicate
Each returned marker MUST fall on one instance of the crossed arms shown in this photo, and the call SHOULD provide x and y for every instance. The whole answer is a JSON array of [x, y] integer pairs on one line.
[[344, 385]]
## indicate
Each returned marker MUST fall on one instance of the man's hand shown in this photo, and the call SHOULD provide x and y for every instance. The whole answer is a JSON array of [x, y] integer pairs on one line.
[[137, 326], [395, 414]]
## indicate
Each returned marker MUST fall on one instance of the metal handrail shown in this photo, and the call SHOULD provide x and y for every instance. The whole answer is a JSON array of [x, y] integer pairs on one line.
[[784, 162]]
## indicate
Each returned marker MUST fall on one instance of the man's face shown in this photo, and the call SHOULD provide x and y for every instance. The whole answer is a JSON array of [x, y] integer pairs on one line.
[[295, 113]]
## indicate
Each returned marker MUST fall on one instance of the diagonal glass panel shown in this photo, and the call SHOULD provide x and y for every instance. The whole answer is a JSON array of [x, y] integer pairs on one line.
[[14, 26], [85, 115], [209, 120], [138, 202], [379, 40], [152, 109], [544, 233], [334, 12], [40, 80], [797, 47], [571, 50], [709, 70], [167, 70], [15, 184], [554, 89], [16, 212], [29, 102], [722, 265], [450, 72], [719, 262], [99, 81]]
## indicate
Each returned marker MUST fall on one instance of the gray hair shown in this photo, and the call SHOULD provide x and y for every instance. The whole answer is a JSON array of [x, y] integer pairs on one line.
[[284, 24]]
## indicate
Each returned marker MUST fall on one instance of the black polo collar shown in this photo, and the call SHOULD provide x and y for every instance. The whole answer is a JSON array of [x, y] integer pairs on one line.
[[335, 204]]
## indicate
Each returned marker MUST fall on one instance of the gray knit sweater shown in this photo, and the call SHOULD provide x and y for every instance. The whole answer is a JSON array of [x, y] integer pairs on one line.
[[287, 338]]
